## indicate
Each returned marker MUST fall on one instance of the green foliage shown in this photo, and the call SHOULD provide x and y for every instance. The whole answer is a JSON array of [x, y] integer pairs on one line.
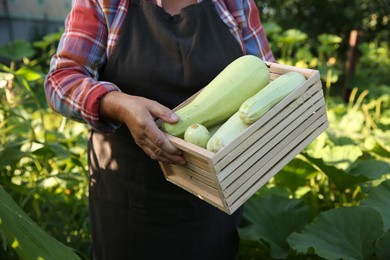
[[373, 65], [272, 219], [28, 239], [341, 182], [42, 155], [342, 233], [331, 201], [341, 176], [337, 17]]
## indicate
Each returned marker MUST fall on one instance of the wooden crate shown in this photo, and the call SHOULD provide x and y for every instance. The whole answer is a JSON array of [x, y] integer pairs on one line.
[[228, 178]]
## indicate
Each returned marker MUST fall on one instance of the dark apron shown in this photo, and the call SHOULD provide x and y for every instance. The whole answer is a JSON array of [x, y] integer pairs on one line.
[[135, 212]]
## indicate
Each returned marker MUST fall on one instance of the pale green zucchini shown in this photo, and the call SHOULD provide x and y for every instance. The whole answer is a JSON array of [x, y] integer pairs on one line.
[[223, 96], [229, 131], [256, 106], [197, 134]]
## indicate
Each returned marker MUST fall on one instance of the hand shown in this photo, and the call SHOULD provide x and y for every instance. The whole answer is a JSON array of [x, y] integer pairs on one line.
[[139, 115]]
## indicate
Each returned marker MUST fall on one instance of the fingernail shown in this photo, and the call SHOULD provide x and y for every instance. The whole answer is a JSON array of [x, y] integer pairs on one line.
[[174, 116]]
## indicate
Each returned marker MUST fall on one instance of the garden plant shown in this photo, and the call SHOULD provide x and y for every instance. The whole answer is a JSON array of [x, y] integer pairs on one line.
[[330, 202]]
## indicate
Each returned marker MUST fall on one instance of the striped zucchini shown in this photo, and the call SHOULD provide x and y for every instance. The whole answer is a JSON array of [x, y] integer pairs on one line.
[[229, 131], [256, 106], [223, 96]]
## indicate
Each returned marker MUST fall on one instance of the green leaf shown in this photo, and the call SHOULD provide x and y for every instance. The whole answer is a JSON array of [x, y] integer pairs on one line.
[[353, 121], [251, 250], [28, 239], [329, 38], [370, 168], [382, 247], [28, 74], [49, 39], [341, 178], [16, 50], [379, 199], [381, 150], [272, 220], [342, 233], [10, 154], [340, 156], [53, 149], [272, 28], [318, 143], [291, 36], [295, 174]]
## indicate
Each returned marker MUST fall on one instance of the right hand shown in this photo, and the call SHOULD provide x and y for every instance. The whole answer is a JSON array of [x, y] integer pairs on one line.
[[140, 115]]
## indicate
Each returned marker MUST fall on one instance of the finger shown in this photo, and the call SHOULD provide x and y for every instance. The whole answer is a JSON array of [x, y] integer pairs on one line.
[[156, 153], [158, 140], [158, 147], [159, 111]]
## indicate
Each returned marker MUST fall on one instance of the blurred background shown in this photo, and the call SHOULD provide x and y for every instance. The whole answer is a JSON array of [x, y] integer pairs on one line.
[[331, 202], [31, 19]]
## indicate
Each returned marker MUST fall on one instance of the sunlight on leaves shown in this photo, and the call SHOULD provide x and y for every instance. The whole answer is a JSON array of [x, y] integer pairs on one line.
[[342, 233]]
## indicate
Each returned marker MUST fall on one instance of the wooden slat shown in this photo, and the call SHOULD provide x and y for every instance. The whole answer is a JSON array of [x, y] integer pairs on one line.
[[277, 68], [241, 175], [262, 143], [206, 174], [194, 155], [264, 178], [264, 126], [273, 156], [203, 172], [302, 91], [197, 162], [173, 169], [198, 189], [265, 134], [197, 151], [266, 142]]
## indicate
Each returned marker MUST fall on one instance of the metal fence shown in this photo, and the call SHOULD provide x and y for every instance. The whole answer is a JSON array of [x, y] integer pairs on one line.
[[31, 19]]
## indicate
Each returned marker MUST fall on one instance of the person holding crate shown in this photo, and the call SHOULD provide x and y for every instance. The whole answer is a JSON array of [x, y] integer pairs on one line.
[[120, 66]]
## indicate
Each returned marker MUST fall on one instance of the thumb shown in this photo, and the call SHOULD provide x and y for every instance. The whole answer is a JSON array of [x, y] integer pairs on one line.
[[164, 114]]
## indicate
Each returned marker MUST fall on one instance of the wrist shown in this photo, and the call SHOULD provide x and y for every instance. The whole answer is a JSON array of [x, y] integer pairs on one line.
[[110, 108]]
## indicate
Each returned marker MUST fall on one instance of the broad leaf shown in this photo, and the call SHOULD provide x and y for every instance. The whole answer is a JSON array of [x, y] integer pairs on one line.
[[379, 199], [292, 36], [329, 39], [273, 220], [340, 156], [341, 178], [28, 239], [343, 233], [353, 121], [381, 150], [370, 168], [272, 28], [382, 247], [28, 74], [16, 50]]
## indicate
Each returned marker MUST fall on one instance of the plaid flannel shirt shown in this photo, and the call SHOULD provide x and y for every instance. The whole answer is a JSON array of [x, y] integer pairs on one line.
[[92, 29]]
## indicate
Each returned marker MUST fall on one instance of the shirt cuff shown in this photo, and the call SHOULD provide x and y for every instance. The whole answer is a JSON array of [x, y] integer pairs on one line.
[[92, 104]]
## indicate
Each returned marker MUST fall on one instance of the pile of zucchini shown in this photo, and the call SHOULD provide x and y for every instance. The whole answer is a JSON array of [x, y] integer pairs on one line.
[[231, 102]]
